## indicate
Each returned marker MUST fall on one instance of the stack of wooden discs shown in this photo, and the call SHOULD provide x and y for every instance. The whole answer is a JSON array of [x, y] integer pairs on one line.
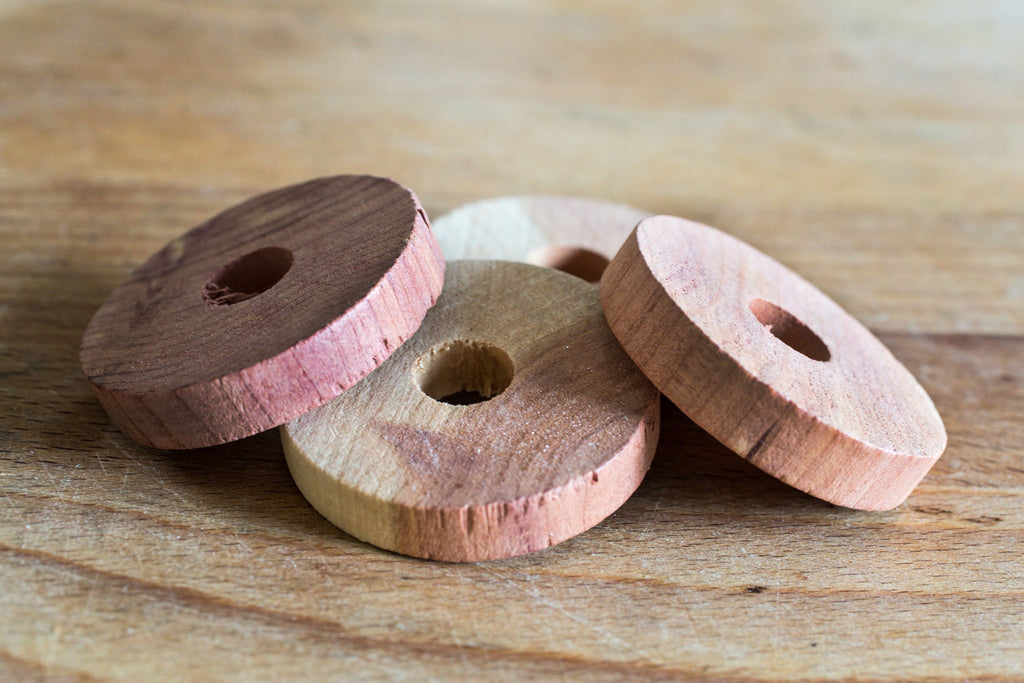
[[502, 402]]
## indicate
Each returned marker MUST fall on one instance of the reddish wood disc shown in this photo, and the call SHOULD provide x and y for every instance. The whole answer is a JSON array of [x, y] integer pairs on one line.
[[265, 311], [565, 438], [769, 365]]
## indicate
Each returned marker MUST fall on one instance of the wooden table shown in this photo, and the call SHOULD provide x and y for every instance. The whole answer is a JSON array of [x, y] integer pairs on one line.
[[877, 148]]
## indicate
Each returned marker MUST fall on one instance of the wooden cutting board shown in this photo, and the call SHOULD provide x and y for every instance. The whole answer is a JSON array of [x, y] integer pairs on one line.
[[873, 148]]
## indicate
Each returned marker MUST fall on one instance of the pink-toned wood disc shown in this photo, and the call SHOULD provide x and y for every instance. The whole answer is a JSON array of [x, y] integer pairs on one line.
[[572, 234], [769, 365], [264, 312], [566, 435]]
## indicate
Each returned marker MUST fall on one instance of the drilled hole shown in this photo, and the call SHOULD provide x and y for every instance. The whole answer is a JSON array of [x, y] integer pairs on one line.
[[247, 276], [463, 372], [789, 330], [583, 263]]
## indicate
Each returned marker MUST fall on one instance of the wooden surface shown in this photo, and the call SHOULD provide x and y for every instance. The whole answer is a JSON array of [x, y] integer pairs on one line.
[[564, 437], [243, 323], [573, 234], [876, 148], [770, 366]]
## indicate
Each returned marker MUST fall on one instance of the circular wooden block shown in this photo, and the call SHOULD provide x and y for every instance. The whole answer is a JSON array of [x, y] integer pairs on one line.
[[263, 312], [566, 436], [572, 234], [769, 365]]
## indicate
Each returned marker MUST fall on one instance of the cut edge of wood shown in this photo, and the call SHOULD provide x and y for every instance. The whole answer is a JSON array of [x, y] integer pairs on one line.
[[491, 531], [795, 447], [154, 419]]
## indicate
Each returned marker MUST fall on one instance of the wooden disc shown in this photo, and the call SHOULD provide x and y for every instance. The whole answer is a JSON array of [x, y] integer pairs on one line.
[[572, 234], [263, 312], [566, 437], [769, 365]]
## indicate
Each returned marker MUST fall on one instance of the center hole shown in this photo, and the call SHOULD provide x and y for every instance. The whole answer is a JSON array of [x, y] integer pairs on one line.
[[464, 372], [789, 330], [583, 263], [247, 276]]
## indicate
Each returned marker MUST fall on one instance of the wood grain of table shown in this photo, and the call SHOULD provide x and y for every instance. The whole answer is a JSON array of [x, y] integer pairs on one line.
[[875, 147]]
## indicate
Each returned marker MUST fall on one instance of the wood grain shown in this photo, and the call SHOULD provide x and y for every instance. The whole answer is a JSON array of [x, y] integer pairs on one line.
[[873, 147], [572, 234], [769, 365], [263, 312], [562, 431]]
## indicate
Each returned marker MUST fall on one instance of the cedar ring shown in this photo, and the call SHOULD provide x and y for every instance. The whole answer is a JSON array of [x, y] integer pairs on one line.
[[573, 234], [263, 312], [769, 365], [551, 454]]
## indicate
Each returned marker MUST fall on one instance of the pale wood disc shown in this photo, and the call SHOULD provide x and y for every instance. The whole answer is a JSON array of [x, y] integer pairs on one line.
[[557, 451], [572, 234], [263, 312], [769, 365]]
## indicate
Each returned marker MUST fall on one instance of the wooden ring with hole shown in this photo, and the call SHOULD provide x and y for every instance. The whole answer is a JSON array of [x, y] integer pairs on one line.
[[572, 234], [769, 365], [265, 311], [548, 456]]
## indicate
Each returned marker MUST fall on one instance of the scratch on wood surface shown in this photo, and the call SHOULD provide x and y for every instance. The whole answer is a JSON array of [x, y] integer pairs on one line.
[[99, 459], [7, 497], [473, 615], [548, 602], [133, 459]]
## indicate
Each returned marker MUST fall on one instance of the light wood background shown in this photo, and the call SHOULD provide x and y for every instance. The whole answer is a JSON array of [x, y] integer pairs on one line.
[[877, 148]]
